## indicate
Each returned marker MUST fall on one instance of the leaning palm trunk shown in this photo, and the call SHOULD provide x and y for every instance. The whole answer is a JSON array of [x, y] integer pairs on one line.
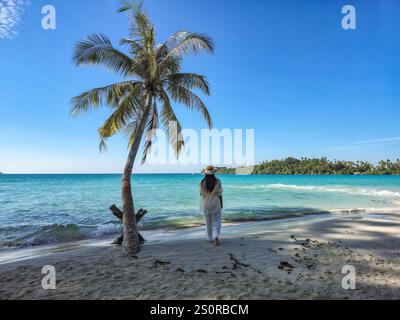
[[131, 235]]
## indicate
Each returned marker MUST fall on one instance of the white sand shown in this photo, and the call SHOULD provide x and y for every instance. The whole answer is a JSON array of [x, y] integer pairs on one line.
[[245, 267]]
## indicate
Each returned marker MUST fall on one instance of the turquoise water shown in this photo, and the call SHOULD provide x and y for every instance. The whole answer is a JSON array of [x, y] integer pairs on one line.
[[39, 209]]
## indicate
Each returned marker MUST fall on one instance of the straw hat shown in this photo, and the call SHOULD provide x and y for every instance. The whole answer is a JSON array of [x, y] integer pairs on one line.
[[210, 170]]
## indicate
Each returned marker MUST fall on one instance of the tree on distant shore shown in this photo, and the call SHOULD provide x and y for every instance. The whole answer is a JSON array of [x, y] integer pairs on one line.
[[322, 166], [153, 81]]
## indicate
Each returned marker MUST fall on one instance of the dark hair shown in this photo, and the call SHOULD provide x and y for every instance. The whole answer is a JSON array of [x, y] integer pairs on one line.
[[210, 181]]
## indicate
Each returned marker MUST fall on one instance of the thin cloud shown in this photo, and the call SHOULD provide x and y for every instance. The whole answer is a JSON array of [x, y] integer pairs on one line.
[[385, 141], [368, 144], [11, 12]]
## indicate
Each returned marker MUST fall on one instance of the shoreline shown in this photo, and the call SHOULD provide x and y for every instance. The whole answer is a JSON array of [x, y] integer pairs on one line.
[[286, 262], [159, 235], [296, 218]]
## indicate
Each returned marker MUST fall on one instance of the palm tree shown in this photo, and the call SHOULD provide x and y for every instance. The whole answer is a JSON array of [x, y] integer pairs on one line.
[[152, 81]]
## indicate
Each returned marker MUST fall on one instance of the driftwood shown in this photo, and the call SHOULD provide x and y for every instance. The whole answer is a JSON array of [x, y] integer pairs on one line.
[[118, 213]]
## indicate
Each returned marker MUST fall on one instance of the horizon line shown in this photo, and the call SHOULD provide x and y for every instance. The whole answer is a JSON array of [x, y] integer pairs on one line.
[[94, 173]]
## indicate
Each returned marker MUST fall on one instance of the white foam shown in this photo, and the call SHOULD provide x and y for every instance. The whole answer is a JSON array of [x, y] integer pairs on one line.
[[106, 229], [361, 191], [366, 210]]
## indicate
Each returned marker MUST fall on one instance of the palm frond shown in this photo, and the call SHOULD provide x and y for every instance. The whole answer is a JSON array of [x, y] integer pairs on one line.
[[167, 66], [189, 81], [98, 50], [131, 5], [134, 45], [128, 108], [142, 42], [185, 42], [108, 95], [151, 131], [130, 129], [142, 29], [171, 124], [103, 145], [182, 95]]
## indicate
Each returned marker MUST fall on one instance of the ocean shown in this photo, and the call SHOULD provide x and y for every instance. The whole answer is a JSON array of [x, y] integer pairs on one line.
[[44, 209]]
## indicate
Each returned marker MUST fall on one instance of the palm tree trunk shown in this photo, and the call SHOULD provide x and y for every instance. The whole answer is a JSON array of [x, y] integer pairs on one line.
[[131, 236]]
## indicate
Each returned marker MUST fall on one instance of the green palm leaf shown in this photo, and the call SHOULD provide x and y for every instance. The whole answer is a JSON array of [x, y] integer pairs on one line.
[[98, 50], [151, 132], [185, 42], [129, 107], [171, 124], [108, 95], [189, 81], [191, 100]]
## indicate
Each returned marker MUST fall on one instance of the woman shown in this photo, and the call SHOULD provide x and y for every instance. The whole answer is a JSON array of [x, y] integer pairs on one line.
[[211, 203]]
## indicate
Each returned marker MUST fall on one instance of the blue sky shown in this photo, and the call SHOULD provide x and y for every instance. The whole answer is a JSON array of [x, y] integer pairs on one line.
[[285, 68]]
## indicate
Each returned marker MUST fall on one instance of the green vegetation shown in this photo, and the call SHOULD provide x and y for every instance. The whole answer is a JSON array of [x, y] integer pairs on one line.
[[322, 166], [225, 170]]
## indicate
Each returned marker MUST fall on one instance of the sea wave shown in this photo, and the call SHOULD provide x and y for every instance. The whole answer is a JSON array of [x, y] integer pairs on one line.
[[360, 191], [24, 236]]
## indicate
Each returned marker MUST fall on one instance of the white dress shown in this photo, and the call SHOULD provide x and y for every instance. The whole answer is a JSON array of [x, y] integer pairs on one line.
[[210, 206]]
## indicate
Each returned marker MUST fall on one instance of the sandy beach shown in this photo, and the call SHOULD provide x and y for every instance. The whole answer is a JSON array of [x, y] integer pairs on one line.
[[297, 262]]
